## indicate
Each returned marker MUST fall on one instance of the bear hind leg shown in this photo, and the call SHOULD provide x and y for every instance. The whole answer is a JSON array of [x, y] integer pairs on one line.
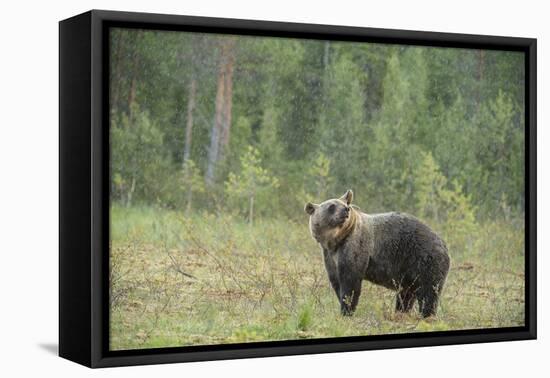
[[427, 306], [428, 298], [430, 291]]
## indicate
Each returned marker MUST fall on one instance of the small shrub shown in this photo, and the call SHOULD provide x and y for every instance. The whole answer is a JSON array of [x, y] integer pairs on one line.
[[305, 317], [445, 204]]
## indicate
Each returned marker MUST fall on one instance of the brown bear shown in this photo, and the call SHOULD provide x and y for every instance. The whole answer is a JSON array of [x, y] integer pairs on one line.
[[394, 250]]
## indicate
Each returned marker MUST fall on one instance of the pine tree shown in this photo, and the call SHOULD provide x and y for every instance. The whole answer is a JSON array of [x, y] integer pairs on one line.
[[252, 180]]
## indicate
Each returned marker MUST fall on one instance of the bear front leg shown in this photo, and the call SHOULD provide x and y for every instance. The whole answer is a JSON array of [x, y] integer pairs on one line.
[[332, 272], [350, 290]]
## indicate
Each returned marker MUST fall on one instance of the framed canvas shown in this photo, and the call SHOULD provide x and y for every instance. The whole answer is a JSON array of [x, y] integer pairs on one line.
[[234, 188]]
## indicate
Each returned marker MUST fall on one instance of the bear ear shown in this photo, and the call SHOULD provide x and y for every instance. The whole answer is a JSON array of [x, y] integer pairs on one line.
[[348, 197], [310, 208]]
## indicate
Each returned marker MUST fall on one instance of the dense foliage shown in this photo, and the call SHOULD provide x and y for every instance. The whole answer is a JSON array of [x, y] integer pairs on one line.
[[259, 126]]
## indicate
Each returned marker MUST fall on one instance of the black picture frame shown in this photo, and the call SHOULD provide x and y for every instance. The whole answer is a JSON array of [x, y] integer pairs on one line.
[[84, 188]]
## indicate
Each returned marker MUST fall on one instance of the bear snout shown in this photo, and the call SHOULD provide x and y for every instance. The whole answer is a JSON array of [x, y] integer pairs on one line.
[[343, 216]]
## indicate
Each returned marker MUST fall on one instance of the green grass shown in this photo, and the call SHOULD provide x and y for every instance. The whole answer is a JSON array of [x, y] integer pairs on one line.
[[267, 282]]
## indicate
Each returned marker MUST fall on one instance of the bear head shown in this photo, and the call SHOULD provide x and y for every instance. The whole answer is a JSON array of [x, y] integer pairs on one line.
[[331, 220]]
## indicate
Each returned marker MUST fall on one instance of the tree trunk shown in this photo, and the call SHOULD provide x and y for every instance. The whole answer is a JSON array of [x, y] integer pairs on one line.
[[228, 97], [325, 85], [189, 199], [216, 128], [481, 64], [132, 96], [326, 55], [222, 118], [251, 210], [134, 68], [131, 192], [480, 68], [189, 125]]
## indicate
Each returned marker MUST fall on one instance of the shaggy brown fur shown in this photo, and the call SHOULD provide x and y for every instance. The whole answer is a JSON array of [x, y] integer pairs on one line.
[[393, 250]]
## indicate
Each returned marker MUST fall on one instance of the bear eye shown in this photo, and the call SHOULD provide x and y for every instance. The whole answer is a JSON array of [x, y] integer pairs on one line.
[[331, 208]]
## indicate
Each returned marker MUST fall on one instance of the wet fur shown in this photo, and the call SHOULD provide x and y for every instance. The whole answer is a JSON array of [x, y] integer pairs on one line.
[[394, 250]]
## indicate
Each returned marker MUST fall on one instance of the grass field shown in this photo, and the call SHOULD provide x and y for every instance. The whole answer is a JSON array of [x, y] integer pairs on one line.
[[178, 279]]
